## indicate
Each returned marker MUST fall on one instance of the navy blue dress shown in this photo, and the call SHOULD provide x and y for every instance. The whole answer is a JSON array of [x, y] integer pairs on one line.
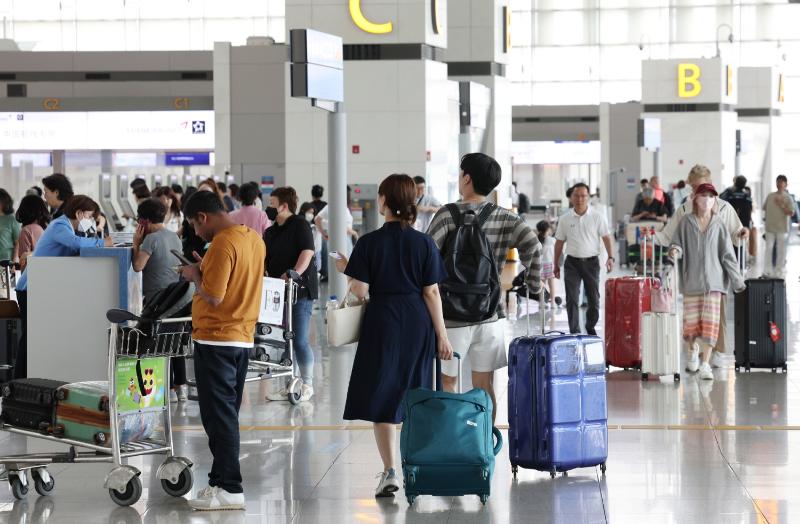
[[397, 346]]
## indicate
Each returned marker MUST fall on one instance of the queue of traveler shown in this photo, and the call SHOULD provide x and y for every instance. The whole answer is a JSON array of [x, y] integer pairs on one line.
[[408, 323]]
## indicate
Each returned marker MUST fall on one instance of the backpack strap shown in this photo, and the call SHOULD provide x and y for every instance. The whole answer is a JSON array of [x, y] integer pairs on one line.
[[487, 210], [455, 213]]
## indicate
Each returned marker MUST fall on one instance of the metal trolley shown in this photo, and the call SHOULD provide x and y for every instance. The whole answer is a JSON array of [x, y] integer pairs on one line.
[[263, 365], [167, 338]]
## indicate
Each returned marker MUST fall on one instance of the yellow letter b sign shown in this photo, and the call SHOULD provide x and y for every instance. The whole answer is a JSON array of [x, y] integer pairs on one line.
[[689, 85]]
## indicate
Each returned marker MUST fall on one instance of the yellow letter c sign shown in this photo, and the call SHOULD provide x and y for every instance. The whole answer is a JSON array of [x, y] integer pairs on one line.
[[365, 25]]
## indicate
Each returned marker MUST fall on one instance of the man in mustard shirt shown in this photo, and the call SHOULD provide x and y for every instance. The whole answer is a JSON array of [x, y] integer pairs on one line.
[[224, 313]]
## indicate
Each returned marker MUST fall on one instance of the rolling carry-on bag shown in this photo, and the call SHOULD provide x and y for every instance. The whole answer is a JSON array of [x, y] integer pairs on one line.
[[446, 443], [760, 325], [10, 319], [557, 408], [661, 327], [29, 403], [82, 413]]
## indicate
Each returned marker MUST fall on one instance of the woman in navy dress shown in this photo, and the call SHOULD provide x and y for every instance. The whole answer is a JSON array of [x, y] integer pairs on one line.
[[403, 328]]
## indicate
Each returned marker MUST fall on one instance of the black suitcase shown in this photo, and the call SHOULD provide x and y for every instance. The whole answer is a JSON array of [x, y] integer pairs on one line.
[[8, 347], [757, 308], [30, 402]]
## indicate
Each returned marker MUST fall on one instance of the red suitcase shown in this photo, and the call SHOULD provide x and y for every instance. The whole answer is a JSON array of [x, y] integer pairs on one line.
[[626, 299]]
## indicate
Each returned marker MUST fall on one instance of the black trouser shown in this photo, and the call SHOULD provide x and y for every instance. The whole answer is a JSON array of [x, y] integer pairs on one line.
[[21, 362], [586, 270], [220, 372], [177, 372]]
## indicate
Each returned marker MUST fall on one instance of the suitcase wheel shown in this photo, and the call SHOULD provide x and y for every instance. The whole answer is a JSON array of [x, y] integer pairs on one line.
[[44, 428], [484, 498], [677, 377], [100, 438], [603, 468], [645, 376], [62, 394], [6, 390], [736, 369], [514, 469], [785, 370], [774, 370], [565, 474], [411, 499], [553, 473], [58, 430]]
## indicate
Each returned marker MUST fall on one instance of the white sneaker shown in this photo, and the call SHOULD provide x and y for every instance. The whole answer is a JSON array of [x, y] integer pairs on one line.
[[173, 397], [182, 393], [694, 359], [217, 499], [388, 484], [705, 372], [306, 392], [278, 396], [717, 360]]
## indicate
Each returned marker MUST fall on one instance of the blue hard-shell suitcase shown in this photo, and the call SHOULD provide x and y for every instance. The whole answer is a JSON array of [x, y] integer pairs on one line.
[[557, 410]]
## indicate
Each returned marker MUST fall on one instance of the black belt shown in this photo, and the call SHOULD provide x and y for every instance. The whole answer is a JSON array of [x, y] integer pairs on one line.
[[587, 258]]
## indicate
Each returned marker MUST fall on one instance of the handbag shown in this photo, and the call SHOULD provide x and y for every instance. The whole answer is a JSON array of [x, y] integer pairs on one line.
[[344, 323], [660, 299]]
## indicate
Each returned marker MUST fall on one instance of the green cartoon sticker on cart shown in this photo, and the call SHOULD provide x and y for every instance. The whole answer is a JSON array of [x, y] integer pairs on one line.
[[140, 384]]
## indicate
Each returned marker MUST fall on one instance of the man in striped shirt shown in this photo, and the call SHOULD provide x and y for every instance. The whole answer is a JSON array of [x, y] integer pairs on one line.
[[484, 342]]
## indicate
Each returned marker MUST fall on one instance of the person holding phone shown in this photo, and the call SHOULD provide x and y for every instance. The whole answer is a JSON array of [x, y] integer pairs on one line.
[[153, 244]]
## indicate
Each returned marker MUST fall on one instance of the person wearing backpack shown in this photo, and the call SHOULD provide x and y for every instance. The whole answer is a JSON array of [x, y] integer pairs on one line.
[[580, 230], [474, 237]]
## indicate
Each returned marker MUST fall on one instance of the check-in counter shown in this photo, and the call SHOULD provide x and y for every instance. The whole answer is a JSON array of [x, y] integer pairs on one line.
[[67, 302]]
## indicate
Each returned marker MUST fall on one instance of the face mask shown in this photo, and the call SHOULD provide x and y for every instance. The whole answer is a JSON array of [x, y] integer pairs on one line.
[[705, 203], [85, 225], [272, 213], [310, 217]]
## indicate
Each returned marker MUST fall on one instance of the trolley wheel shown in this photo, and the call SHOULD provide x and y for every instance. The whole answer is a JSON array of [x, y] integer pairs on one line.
[[182, 486], [677, 377], [553, 473], [514, 469], [603, 468], [288, 335], [286, 362], [132, 493], [774, 370], [565, 474], [43, 488], [18, 489], [484, 498], [294, 390], [645, 376], [736, 369]]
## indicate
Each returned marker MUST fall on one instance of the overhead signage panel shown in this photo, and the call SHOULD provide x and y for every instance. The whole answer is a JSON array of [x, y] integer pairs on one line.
[[187, 159]]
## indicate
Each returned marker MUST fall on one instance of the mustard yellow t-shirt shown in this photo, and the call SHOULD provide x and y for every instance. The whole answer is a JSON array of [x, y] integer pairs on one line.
[[233, 268]]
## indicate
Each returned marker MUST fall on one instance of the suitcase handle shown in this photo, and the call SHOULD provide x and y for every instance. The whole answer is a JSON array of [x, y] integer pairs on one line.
[[437, 371], [498, 440]]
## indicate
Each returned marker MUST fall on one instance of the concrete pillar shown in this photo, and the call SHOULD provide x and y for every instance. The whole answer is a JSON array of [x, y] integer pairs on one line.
[[337, 196], [250, 83], [106, 161], [59, 157]]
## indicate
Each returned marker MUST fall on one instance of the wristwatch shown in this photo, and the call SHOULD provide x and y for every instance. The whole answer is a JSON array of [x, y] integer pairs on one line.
[[612, 258]]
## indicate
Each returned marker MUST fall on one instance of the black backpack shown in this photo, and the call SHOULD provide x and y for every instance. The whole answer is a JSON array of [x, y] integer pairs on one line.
[[471, 292]]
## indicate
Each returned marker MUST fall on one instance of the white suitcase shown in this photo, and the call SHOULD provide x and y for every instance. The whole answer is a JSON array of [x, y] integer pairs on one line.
[[661, 334]]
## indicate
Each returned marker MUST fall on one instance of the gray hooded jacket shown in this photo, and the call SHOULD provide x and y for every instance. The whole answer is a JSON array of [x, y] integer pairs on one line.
[[708, 263]]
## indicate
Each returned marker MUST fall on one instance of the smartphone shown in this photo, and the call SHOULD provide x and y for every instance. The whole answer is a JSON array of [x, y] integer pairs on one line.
[[334, 255], [184, 261]]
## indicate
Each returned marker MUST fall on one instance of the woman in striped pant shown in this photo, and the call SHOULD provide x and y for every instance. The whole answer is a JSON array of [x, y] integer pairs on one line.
[[708, 265]]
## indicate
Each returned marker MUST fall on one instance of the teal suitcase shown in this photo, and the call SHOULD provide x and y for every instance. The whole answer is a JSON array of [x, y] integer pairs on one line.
[[447, 444]]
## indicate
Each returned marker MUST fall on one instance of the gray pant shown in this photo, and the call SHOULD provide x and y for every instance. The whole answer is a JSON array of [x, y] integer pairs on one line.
[[586, 270]]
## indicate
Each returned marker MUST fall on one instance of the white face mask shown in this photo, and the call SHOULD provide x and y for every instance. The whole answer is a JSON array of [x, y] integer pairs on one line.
[[705, 203], [85, 224], [310, 217]]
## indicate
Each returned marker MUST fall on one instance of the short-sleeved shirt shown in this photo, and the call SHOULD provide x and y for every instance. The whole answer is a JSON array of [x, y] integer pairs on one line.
[[582, 233], [9, 234], [284, 244], [424, 219], [775, 220], [233, 270], [29, 236], [396, 260], [159, 271]]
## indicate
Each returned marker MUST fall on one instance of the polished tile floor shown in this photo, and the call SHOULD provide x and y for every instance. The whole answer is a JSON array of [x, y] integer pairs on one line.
[[688, 452]]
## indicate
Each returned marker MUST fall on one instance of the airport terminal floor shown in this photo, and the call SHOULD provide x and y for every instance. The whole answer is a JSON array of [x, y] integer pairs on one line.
[[688, 452]]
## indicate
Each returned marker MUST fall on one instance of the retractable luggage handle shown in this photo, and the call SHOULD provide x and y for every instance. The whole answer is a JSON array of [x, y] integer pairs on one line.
[[7, 265], [541, 304], [437, 370]]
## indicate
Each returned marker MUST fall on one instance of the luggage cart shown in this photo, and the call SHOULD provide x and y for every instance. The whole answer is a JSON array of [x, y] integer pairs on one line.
[[167, 338], [262, 365]]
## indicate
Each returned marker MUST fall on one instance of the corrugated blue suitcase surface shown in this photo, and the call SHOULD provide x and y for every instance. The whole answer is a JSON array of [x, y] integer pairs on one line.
[[557, 410]]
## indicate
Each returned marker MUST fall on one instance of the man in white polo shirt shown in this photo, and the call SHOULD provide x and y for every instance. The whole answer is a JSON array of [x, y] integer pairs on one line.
[[580, 229]]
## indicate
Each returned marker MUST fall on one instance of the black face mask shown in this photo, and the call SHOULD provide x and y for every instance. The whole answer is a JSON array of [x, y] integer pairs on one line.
[[272, 213]]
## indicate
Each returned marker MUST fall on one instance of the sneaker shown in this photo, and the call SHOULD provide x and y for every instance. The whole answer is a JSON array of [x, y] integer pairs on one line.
[[694, 359], [306, 392], [213, 498], [173, 397], [388, 484], [278, 396], [705, 372], [717, 360]]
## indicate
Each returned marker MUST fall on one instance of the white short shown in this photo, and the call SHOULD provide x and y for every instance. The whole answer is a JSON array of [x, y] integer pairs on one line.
[[483, 344]]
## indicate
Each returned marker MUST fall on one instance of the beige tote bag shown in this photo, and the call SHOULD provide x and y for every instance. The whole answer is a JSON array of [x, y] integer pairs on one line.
[[344, 323]]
